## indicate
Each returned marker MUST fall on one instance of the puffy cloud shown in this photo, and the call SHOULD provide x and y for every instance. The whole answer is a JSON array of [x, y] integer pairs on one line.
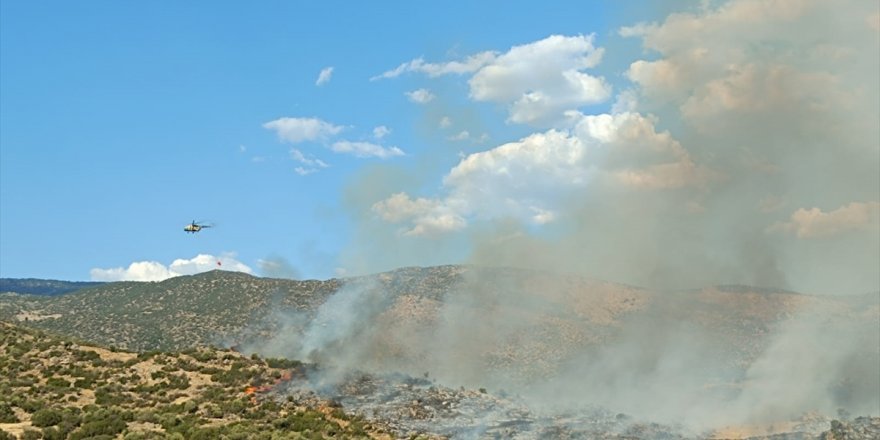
[[540, 80], [536, 81], [155, 271], [381, 131], [471, 64], [420, 96], [815, 223], [366, 149], [527, 179], [324, 76], [636, 155], [296, 130], [427, 216]]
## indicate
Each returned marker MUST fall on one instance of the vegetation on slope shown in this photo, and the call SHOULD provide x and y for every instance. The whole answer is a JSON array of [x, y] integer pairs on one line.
[[54, 388], [211, 308]]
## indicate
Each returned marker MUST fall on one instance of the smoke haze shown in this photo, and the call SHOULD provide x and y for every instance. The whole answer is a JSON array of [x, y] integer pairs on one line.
[[744, 149]]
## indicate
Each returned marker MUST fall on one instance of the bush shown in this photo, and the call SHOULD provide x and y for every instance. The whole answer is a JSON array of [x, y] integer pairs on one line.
[[110, 395], [57, 382], [101, 425], [282, 363], [31, 434], [86, 355], [84, 383], [6, 414], [46, 417], [180, 382], [53, 433], [29, 405]]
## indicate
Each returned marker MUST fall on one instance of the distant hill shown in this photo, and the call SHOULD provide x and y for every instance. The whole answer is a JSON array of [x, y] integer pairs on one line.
[[35, 286], [210, 308], [231, 308]]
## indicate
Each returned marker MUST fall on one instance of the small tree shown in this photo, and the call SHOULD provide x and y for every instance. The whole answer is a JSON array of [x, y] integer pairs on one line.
[[46, 417]]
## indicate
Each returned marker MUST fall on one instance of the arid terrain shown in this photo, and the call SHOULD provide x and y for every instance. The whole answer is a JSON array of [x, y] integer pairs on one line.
[[474, 352], [54, 388]]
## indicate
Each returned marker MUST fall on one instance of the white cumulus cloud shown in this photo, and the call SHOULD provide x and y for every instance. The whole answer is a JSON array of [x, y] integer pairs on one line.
[[529, 178], [540, 80], [155, 271], [296, 130], [537, 81]]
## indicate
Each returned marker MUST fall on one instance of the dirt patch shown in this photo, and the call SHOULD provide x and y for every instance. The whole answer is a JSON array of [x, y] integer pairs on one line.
[[16, 429], [108, 355], [35, 316]]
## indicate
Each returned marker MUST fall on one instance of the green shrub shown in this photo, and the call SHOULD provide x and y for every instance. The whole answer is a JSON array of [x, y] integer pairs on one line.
[[6, 414], [283, 363], [101, 422], [30, 405], [203, 356], [57, 382], [31, 434], [53, 433], [86, 355], [178, 381], [46, 417], [110, 395]]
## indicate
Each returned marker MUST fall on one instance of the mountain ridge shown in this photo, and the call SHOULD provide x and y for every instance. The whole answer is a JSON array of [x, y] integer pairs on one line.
[[46, 287]]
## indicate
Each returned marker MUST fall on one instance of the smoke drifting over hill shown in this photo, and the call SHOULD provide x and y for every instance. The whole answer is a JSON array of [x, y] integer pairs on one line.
[[743, 149], [698, 360]]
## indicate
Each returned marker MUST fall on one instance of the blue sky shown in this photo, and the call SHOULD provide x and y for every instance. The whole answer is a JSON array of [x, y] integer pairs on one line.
[[120, 123]]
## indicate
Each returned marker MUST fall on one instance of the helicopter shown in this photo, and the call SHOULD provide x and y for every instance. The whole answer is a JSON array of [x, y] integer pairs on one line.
[[195, 227]]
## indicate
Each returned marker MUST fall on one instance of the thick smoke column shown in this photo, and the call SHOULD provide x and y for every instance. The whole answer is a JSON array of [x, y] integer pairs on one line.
[[743, 151]]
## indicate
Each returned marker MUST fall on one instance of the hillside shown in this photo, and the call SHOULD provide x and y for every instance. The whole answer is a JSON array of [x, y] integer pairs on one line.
[[183, 312], [528, 321], [54, 388], [178, 313], [718, 357]]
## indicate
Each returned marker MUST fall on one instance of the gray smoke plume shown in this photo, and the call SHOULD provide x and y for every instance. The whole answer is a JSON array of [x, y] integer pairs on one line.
[[744, 150]]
